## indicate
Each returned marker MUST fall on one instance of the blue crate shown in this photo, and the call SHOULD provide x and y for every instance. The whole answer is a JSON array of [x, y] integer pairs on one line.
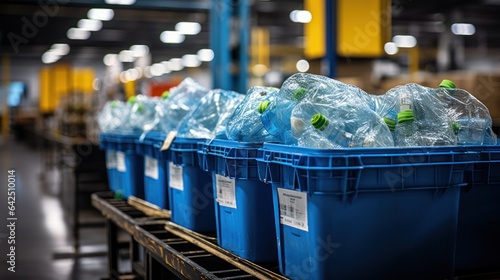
[[129, 165], [375, 213], [244, 217], [155, 168], [110, 148], [190, 188], [478, 242]]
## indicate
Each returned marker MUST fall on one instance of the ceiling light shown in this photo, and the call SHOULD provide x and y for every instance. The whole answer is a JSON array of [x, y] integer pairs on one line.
[[404, 41], [132, 74], [188, 28], [465, 29], [301, 16], [190, 60], [126, 56], [302, 65], [157, 69], [205, 55], [90, 24], [50, 57], [166, 66], [101, 14], [139, 71], [172, 37], [176, 64], [139, 50], [120, 2], [110, 59], [60, 49], [259, 70], [78, 34], [390, 48], [123, 77]]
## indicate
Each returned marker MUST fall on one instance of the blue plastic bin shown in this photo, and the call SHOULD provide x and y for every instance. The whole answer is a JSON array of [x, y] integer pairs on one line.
[[365, 213], [190, 188], [129, 165], [243, 204], [110, 148], [478, 239], [155, 169]]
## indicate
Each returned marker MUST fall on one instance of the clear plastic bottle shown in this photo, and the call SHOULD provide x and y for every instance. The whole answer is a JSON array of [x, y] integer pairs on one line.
[[142, 113], [334, 132], [177, 103], [114, 116], [470, 118], [245, 124], [406, 131], [210, 116]]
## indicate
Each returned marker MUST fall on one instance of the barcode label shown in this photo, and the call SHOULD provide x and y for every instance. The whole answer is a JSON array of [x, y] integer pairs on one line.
[[111, 159], [293, 209], [151, 167], [176, 180], [226, 191], [120, 162]]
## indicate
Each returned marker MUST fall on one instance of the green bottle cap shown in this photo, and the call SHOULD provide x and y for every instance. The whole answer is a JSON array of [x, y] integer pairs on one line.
[[456, 127], [131, 100], [390, 123], [447, 84], [113, 104], [319, 121], [165, 95], [405, 116], [299, 93], [119, 195], [139, 108], [263, 106]]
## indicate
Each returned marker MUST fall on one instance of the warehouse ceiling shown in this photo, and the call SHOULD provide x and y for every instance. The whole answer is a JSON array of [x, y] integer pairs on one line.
[[143, 22]]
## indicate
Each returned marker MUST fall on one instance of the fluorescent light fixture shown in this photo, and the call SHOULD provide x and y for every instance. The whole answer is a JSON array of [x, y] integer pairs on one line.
[[90, 24], [190, 60], [50, 57], [139, 50], [60, 49], [157, 69], [176, 64], [132, 74], [302, 65], [126, 56], [172, 37], [139, 71], [101, 14], [465, 29], [390, 48], [110, 59], [301, 16], [205, 55], [166, 66], [188, 28], [123, 77], [120, 2], [78, 34], [404, 41]]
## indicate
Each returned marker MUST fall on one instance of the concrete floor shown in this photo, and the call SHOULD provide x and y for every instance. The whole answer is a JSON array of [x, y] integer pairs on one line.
[[43, 226]]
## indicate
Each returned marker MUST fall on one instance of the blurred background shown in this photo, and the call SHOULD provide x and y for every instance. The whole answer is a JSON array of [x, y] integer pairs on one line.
[[61, 60]]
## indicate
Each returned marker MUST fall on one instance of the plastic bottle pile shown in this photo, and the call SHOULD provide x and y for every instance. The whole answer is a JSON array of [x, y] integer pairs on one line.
[[311, 111], [189, 108]]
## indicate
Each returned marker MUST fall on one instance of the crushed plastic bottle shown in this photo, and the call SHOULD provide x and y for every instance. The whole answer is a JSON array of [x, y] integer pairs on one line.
[[210, 116], [142, 113], [114, 116], [245, 124], [177, 103], [345, 121], [422, 110], [471, 119]]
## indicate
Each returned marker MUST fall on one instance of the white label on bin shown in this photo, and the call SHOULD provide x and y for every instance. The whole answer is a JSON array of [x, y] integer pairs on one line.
[[151, 167], [120, 162], [175, 179], [293, 208], [111, 159], [168, 140], [226, 191]]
